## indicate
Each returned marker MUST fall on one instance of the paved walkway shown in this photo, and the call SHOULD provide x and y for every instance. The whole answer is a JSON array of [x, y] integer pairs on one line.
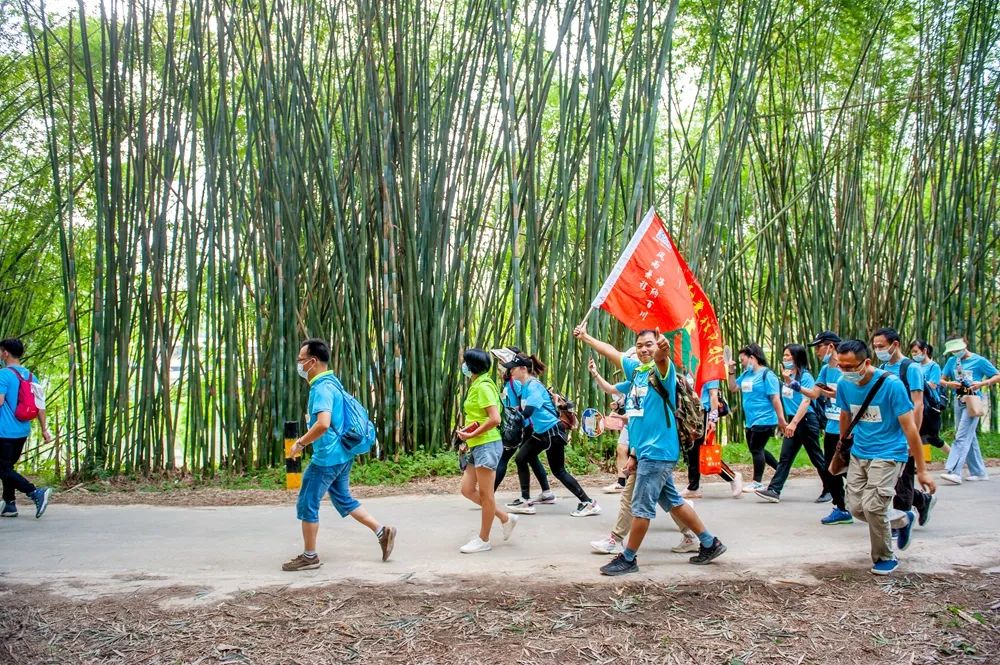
[[83, 550]]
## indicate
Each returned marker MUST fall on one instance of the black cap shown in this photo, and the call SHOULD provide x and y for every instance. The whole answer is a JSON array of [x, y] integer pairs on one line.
[[825, 337], [518, 362]]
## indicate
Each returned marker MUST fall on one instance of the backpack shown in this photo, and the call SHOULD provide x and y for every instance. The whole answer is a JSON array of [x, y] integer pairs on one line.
[[930, 398], [688, 413], [359, 436], [27, 407], [565, 410], [511, 422]]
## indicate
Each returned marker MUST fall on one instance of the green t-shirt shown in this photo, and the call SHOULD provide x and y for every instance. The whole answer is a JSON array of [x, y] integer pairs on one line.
[[483, 393]]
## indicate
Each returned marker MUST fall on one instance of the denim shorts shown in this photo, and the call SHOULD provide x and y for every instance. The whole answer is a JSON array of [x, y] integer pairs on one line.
[[486, 455], [319, 480], [654, 484]]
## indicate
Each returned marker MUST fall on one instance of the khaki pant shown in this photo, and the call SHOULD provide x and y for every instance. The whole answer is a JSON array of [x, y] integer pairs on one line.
[[624, 522], [871, 484]]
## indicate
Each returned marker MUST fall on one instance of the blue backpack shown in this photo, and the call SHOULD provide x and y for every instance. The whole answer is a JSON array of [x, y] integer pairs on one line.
[[359, 435]]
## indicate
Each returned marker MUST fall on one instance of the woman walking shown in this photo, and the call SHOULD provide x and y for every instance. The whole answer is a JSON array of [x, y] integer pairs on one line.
[[481, 411], [544, 433], [762, 410]]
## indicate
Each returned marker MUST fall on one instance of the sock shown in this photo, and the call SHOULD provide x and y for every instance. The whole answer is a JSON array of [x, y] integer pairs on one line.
[[629, 555], [706, 539], [621, 481], [309, 554], [381, 530]]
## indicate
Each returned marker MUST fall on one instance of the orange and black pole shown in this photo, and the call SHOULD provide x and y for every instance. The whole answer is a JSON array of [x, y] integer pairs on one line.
[[293, 467]]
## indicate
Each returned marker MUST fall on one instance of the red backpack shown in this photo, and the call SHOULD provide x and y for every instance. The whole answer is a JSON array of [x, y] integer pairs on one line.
[[27, 408]]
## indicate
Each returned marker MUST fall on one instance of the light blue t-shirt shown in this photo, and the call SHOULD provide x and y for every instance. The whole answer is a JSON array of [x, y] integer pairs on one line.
[[932, 374], [830, 377], [11, 427], [974, 368], [757, 389], [914, 377], [648, 433], [326, 396], [544, 417], [706, 398], [878, 435], [791, 399]]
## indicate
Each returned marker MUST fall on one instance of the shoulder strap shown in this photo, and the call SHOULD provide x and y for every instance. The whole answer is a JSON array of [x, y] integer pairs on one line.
[[864, 405]]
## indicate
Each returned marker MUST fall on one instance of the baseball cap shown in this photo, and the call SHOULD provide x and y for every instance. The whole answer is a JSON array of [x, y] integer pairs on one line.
[[825, 337]]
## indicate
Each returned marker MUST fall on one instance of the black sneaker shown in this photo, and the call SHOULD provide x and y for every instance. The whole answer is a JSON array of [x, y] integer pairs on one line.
[[708, 554], [768, 495], [620, 566], [925, 514], [825, 497]]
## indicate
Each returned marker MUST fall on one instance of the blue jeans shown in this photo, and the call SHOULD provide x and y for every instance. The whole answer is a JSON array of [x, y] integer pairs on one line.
[[654, 484], [319, 480], [965, 450]]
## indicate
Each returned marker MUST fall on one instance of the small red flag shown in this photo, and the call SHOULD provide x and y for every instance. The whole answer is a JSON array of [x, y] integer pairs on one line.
[[651, 287]]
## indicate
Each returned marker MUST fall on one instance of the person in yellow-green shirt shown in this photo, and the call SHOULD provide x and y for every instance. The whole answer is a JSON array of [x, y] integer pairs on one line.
[[481, 418]]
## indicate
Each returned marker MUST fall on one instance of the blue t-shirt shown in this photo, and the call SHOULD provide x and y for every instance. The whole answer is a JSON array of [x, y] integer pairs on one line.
[[791, 399], [706, 398], [878, 435], [757, 388], [932, 374], [326, 396], [914, 377], [11, 427], [648, 433], [544, 417], [974, 368], [830, 377]]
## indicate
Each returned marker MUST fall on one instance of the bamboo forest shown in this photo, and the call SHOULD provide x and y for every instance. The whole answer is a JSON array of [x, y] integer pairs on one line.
[[189, 188]]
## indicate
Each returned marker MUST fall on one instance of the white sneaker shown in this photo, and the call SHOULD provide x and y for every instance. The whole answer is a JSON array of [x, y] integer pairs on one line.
[[687, 544], [586, 509], [475, 545], [544, 499], [613, 488], [977, 479], [691, 494], [737, 485], [952, 478], [508, 528], [607, 546], [752, 487]]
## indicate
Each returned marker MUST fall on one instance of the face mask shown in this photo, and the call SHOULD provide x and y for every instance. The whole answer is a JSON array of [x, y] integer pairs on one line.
[[918, 357], [301, 371], [883, 354], [466, 372], [852, 377], [788, 364], [827, 357]]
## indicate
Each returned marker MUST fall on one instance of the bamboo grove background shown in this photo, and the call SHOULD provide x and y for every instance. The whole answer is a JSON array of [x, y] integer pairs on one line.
[[190, 187]]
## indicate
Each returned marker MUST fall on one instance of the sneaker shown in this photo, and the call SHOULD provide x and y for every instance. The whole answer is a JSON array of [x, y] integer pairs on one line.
[[691, 494], [925, 514], [837, 516], [387, 540], [607, 546], [974, 479], [825, 497], [586, 509], [737, 485], [41, 498], [620, 566], [475, 545], [9, 510], [302, 562], [768, 495], [687, 544], [543, 499], [521, 507], [708, 554], [885, 566], [952, 478], [903, 533], [752, 487], [508, 528], [613, 488]]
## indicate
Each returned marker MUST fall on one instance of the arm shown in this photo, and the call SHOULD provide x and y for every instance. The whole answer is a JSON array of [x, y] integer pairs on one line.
[[909, 426], [318, 429], [603, 348]]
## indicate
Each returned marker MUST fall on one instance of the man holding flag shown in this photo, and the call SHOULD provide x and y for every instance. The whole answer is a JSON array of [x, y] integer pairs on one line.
[[652, 289]]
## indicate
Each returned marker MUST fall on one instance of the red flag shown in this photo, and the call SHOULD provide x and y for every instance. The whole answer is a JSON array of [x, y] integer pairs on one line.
[[651, 287]]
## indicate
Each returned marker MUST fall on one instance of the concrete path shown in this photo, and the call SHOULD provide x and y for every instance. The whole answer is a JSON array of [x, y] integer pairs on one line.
[[87, 550]]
